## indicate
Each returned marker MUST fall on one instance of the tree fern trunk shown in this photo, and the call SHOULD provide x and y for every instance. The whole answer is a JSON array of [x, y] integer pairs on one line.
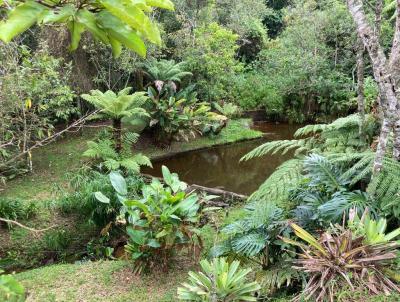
[[360, 87], [117, 134]]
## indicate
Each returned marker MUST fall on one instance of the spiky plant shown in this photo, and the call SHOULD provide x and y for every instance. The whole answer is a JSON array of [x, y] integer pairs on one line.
[[337, 260], [220, 281], [117, 106]]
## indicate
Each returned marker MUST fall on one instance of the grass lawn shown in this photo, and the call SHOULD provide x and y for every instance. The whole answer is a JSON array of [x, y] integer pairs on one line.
[[102, 281], [52, 162]]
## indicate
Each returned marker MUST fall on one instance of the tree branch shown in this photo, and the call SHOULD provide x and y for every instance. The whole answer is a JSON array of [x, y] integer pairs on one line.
[[36, 231]]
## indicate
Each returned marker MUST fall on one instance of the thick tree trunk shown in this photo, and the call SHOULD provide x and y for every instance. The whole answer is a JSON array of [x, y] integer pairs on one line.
[[382, 72], [360, 87], [396, 140], [117, 133]]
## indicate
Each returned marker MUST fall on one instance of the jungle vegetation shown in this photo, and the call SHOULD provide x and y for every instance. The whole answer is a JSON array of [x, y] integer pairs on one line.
[[325, 226]]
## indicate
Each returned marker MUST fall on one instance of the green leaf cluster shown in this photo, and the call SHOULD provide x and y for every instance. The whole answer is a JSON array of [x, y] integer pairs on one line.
[[117, 23]]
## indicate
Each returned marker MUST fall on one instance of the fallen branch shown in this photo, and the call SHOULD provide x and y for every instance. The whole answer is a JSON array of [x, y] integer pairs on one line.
[[36, 231]]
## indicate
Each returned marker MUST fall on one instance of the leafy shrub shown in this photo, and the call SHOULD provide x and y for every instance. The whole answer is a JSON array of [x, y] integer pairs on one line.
[[181, 119], [253, 90], [340, 259], [10, 289], [211, 59], [15, 209], [84, 201], [35, 96], [220, 281], [162, 220], [229, 110]]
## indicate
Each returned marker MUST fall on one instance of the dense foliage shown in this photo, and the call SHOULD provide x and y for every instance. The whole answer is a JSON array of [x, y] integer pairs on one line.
[[208, 62]]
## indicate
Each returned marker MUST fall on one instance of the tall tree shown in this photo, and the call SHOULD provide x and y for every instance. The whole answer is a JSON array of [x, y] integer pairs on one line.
[[386, 74], [360, 86]]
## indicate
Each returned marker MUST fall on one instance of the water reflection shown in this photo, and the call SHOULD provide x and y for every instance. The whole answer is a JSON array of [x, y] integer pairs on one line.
[[220, 167]]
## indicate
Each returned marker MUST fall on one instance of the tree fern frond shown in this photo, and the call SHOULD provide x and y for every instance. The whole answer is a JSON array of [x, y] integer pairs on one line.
[[249, 244], [273, 147], [142, 160], [278, 275], [310, 130], [322, 171], [278, 184], [130, 138]]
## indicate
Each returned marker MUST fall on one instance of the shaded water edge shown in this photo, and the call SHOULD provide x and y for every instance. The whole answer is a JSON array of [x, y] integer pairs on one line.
[[220, 166]]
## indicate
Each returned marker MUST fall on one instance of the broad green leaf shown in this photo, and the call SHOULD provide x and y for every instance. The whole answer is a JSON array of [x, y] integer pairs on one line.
[[20, 19], [118, 183], [135, 18], [119, 31], [167, 4], [59, 15], [76, 30], [101, 197], [116, 47], [153, 243], [88, 20]]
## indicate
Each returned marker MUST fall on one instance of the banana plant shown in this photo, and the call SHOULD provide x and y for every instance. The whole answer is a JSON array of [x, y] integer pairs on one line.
[[115, 23]]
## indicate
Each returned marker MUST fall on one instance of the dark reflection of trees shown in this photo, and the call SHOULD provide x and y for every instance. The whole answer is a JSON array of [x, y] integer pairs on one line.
[[220, 166]]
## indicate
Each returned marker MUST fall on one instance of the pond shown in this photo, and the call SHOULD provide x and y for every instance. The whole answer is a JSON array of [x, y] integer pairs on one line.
[[219, 167]]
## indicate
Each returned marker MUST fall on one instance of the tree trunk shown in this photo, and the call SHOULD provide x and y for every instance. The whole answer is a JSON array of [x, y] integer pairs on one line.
[[396, 141], [117, 133], [360, 87], [382, 72], [382, 144]]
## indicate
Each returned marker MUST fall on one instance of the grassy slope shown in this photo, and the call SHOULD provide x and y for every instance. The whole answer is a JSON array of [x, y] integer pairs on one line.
[[52, 162]]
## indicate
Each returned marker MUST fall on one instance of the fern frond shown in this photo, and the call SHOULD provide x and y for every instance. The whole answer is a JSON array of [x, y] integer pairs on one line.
[[320, 170], [276, 187], [249, 244], [278, 275], [310, 130], [274, 147]]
